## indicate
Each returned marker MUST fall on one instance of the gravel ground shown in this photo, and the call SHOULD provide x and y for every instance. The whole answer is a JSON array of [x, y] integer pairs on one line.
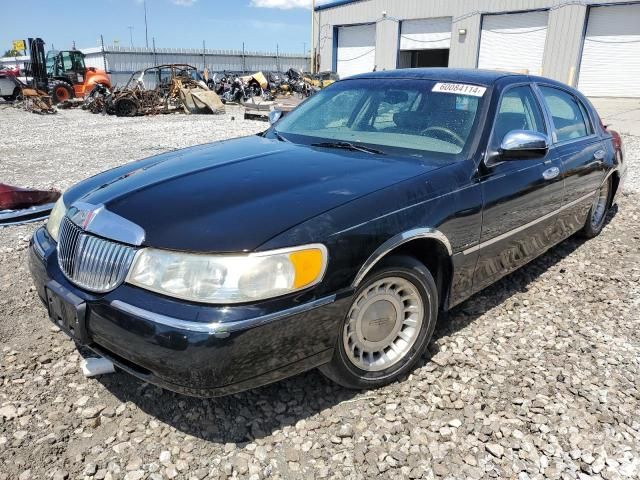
[[536, 377]]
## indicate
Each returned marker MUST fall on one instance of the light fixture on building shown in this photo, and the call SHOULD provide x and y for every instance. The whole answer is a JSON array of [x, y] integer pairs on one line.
[[462, 31]]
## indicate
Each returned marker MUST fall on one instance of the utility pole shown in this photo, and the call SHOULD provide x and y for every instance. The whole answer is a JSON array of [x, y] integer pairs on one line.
[[104, 57], [146, 31], [130, 27], [244, 64], [204, 58], [313, 36], [155, 58]]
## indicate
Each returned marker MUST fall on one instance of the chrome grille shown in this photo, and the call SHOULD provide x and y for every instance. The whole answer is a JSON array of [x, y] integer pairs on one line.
[[91, 262]]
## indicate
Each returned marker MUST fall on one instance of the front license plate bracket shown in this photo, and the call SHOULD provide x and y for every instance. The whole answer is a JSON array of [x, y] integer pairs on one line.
[[67, 311]]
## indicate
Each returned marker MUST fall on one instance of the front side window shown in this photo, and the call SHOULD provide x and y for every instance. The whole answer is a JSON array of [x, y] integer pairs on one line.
[[66, 61], [407, 116], [568, 118], [518, 110]]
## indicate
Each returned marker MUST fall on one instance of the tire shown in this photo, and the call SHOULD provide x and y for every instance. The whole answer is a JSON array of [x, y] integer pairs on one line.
[[598, 212], [60, 91], [398, 283], [126, 107]]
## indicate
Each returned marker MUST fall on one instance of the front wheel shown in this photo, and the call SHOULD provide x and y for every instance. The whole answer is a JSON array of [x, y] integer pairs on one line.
[[388, 326], [60, 91], [598, 212]]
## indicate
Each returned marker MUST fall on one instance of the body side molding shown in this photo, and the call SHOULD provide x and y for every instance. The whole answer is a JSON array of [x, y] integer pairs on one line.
[[508, 234], [396, 241]]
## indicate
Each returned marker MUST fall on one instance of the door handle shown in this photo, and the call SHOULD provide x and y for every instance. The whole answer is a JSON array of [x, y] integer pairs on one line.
[[551, 173], [599, 155]]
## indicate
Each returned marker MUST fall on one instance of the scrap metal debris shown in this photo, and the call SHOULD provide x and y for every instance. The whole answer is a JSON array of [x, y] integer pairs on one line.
[[161, 89], [182, 88], [34, 100]]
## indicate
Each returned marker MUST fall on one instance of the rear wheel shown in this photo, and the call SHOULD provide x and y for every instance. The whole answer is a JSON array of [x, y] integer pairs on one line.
[[60, 91], [598, 212], [388, 326], [126, 107]]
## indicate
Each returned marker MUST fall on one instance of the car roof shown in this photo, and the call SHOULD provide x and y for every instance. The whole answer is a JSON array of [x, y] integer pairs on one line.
[[480, 77]]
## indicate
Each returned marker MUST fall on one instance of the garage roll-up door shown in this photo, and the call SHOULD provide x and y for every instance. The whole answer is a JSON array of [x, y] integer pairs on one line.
[[513, 42], [427, 34], [610, 65], [356, 50]]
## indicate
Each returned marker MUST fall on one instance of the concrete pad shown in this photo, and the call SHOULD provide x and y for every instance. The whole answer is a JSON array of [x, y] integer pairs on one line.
[[621, 114]]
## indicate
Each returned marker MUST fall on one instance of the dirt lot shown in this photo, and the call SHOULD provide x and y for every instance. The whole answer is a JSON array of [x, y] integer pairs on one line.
[[537, 377]]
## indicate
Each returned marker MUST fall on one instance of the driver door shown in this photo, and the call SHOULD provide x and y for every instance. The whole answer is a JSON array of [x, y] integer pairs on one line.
[[519, 195]]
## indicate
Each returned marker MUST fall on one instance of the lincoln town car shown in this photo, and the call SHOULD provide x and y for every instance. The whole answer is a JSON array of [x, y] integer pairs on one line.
[[335, 239]]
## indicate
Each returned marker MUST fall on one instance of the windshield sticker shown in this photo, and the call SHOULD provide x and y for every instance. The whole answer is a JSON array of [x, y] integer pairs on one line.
[[460, 89]]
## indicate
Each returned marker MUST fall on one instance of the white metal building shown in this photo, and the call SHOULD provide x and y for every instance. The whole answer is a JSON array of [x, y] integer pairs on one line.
[[591, 44], [121, 62]]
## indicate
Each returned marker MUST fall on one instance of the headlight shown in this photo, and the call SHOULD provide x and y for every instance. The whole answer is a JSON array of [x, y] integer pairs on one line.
[[55, 218], [223, 279]]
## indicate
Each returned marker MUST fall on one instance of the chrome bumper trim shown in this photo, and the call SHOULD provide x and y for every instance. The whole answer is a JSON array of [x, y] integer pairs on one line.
[[222, 329], [25, 215]]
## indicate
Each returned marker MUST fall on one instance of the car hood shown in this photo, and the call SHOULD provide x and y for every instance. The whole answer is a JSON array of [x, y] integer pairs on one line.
[[235, 195]]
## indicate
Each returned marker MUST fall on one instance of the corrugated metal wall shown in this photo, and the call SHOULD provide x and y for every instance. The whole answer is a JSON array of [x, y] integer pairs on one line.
[[121, 61], [131, 59], [562, 51]]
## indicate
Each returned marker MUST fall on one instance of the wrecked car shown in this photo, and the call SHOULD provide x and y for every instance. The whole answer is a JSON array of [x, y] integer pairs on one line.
[[24, 205], [10, 86], [333, 239], [163, 89]]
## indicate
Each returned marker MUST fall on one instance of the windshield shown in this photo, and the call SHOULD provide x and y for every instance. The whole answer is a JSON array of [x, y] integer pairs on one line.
[[415, 115]]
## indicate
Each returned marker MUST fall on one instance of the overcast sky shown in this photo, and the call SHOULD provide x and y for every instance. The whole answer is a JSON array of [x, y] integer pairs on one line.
[[222, 24]]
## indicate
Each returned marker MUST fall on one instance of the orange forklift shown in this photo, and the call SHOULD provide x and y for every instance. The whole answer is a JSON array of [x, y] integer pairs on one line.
[[63, 74]]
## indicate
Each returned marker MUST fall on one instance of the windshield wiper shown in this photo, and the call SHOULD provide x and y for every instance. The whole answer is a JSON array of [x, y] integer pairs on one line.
[[348, 146], [279, 136]]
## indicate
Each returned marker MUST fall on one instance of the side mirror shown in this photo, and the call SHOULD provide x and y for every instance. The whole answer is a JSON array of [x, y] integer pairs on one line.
[[274, 116], [523, 144]]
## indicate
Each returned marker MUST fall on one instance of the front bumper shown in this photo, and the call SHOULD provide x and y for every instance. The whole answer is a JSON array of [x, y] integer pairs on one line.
[[194, 349]]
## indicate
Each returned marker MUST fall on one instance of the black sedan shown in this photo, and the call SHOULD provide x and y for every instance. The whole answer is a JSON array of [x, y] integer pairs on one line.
[[334, 239]]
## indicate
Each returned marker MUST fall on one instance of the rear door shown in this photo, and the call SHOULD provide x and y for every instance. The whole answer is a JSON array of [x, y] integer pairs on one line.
[[580, 151], [520, 196]]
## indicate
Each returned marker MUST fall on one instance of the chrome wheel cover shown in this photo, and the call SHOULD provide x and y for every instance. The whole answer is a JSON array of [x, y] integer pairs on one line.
[[599, 209], [383, 324]]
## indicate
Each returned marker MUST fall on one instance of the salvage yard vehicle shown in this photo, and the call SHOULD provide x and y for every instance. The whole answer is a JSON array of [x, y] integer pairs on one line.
[[63, 74], [162, 89], [334, 238], [24, 205], [10, 86]]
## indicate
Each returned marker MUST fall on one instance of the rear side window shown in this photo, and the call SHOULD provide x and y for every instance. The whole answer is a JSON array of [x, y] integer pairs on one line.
[[518, 110], [569, 117]]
